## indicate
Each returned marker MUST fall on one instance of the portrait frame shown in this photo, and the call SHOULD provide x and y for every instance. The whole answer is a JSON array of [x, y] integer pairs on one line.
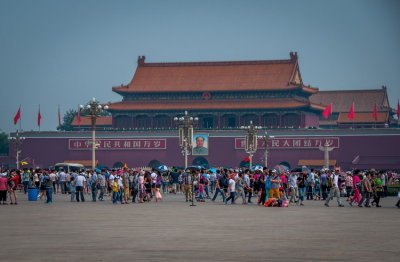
[[195, 149]]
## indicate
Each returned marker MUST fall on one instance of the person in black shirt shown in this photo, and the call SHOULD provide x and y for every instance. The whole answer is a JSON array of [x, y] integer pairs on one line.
[[301, 184]]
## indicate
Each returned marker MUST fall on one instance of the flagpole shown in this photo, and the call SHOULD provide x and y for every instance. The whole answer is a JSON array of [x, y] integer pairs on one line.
[[20, 120], [38, 118], [398, 113]]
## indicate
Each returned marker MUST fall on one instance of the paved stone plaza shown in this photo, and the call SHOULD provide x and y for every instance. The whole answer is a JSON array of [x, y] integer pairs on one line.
[[211, 231]]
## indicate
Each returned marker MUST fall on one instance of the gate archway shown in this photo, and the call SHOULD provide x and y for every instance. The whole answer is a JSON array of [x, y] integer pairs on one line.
[[200, 161]]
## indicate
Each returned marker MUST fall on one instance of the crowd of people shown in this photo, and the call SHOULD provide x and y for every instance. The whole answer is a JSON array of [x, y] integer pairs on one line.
[[266, 187]]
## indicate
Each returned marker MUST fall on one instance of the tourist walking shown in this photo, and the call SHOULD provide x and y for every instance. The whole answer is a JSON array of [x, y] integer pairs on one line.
[[349, 185], [231, 190], [261, 186], [301, 184], [125, 186], [25, 179], [310, 184], [219, 188], [72, 188], [134, 185], [101, 183], [294, 190], [141, 187], [13, 182], [240, 189], [366, 191], [3, 189], [115, 190], [377, 189], [47, 179], [323, 181], [275, 185], [356, 188], [147, 185], [62, 178], [187, 185], [317, 187], [333, 183], [93, 184], [80, 182]]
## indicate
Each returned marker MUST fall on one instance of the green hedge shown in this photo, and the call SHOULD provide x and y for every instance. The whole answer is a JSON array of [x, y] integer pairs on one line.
[[393, 190]]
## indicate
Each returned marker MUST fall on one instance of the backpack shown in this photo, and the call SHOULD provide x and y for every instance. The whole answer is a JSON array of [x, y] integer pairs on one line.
[[257, 184], [329, 182], [223, 182], [267, 183], [205, 180]]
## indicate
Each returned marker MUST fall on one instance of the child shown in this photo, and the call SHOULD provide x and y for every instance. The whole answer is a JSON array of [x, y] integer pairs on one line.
[[157, 194], [72, 188], [201, 193], [115, 190]]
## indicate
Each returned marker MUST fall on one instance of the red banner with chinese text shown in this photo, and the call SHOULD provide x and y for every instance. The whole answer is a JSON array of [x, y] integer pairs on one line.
[[117, 144], [292, 143]]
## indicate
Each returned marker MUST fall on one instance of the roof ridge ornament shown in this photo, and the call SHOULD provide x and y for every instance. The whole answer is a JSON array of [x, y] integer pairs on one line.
[[140, 60], [293, 56]]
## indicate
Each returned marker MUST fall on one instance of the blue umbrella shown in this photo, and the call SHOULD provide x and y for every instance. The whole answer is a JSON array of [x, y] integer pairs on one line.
[[257, 167], [162, 168]]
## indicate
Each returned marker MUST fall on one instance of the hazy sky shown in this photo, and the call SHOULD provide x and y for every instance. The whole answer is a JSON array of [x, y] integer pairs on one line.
[[68, 51]]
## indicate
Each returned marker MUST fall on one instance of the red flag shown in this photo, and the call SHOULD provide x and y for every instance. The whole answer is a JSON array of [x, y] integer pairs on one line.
[[375, 113], [247, 159], [39, 117], [17, 116], [398, 109], [328, 111], [59, 116], [350, 115]]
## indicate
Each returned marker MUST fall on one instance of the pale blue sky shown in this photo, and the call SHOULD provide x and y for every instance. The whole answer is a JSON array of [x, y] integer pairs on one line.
[[67, 51]]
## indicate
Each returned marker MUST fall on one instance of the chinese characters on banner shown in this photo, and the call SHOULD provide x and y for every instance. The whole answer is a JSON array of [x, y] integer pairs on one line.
[[117, 144], [291, 143]]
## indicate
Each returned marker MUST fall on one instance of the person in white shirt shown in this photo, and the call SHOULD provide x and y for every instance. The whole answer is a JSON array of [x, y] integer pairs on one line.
[[231, 189], [153, 182], [62, 179], [294, 190], [80, 183], [334, 190], [53, 178]]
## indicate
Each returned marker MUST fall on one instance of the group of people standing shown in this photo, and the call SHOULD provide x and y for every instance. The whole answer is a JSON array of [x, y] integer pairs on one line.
[[127, 185], [364, 189]]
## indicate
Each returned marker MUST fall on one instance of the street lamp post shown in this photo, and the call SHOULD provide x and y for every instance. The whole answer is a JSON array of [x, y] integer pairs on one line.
[[185, 140], [94, 109], [185, 133], [266, 137], [251, 140], [326, 149], [17, 143]]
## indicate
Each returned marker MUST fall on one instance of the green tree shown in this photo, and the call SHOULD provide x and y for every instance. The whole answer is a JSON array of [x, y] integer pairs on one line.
[[67, 120], [70, 114], [4, 144]]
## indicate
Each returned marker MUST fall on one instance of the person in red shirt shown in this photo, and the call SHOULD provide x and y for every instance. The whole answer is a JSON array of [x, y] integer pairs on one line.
[[356, 187], [3, 189], [13, 182]]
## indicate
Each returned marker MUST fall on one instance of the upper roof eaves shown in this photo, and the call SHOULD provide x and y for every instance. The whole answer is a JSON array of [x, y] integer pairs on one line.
[[212, 76]]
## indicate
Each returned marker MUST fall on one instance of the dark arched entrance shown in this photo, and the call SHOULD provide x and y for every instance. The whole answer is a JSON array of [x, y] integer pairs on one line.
[[154, 163], [200, 161], [118, 165]]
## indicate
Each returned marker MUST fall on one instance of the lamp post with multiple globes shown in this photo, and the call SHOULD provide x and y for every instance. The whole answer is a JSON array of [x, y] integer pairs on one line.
[[185, 124], [17, 143], [94, 110], [251, 140]]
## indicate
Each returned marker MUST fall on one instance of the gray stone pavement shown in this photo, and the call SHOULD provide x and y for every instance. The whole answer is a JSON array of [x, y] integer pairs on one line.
[[211, 231]]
